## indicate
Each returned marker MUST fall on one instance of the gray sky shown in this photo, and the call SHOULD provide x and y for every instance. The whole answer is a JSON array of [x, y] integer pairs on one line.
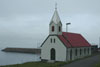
[[24, 23]]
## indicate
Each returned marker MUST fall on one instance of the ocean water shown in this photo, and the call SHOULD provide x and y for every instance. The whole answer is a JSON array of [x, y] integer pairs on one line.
[[8, 58]]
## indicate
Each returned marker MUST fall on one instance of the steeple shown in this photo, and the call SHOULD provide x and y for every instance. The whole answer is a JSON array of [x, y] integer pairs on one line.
[[55, 26], [55, 19]]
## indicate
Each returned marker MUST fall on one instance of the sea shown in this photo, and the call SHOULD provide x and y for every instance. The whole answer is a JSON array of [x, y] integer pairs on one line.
[[9, 58]]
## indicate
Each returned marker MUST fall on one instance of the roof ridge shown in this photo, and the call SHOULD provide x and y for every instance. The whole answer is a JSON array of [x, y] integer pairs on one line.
[[71, 33]]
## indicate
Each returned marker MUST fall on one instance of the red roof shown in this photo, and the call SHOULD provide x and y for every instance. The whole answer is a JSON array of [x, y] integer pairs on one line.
[[73, 40]]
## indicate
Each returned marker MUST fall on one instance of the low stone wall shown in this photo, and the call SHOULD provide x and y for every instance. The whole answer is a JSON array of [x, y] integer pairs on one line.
[[23, 50]]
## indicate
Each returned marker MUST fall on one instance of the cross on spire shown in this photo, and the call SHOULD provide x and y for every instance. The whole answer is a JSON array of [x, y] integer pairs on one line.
[[56, 5], [56, 18]]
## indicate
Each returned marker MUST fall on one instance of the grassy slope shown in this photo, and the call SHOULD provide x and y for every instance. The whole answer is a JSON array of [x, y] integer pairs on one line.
[[44, 64], [97, 65], [37, 64]]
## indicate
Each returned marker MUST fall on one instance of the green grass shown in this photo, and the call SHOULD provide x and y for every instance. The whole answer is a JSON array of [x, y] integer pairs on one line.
[[97, 65], [46, 64], [42, 64], [38, 64]]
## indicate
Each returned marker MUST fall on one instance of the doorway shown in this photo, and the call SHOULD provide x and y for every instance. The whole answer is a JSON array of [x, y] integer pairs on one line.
[[53, 54]]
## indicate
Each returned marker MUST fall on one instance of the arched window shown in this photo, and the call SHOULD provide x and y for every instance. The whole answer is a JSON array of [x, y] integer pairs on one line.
[[52, 28], [76, 52], [59, 28], [54, 40]]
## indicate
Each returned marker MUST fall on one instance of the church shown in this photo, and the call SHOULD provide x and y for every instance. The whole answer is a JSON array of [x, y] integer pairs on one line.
[[63, 46]]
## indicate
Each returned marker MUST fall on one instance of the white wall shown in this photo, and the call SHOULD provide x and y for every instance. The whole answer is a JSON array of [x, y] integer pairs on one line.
[[78, 52], [68, 54], [58, 46]]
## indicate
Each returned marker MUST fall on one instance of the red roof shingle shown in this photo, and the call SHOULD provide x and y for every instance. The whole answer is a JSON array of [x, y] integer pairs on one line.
[[73, 40]]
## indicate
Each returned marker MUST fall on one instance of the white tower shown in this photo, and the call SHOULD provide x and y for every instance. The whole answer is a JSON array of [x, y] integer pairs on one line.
[[55, 26]]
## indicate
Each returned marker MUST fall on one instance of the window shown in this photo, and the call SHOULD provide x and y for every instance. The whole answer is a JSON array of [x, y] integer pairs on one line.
[[51, 40], [52, 28], [76, 52], [88, 50], [59, 28], [54, 40], [84, 50], [80, 51], [70, 54]]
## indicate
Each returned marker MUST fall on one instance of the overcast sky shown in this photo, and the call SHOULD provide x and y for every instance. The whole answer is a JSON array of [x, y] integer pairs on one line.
[[25, 23]]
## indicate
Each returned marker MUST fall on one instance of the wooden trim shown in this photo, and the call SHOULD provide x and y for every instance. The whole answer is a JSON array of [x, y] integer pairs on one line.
[[44, 41], [47, 38]]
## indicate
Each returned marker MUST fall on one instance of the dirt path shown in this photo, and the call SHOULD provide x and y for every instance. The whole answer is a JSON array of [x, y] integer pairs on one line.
[[88, 62]]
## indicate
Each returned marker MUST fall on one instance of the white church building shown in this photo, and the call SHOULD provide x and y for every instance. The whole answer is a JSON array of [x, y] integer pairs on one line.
[[63, 46]]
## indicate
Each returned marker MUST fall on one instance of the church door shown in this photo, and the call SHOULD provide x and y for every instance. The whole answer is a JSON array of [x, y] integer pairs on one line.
[[52, 54]]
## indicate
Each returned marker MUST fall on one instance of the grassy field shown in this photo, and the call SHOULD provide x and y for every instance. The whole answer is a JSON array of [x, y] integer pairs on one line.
[[97, 65], [42, 64], [38, 64], [46, 64]]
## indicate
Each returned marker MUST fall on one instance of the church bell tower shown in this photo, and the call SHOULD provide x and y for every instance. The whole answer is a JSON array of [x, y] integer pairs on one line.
[[55, 26]]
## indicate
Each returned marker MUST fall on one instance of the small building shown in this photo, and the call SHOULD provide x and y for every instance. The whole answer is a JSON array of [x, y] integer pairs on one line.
[[94, 48], [63, 46]]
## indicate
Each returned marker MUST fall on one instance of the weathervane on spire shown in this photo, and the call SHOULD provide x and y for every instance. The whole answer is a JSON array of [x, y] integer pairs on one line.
[[56, 5]]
